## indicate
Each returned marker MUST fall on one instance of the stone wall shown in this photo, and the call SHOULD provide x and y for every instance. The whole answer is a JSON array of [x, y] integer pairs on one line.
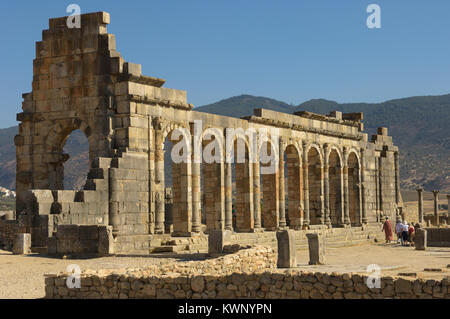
[[8, 231], [76, 240], [438, 237], [248, 273]]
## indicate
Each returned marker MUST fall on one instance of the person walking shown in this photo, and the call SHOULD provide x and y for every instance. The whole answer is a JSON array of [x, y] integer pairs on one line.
[[398, 231], [411, 233], [387, 228], [405, 233]]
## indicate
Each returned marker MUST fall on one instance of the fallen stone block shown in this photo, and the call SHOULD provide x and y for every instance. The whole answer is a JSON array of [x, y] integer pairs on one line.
[[217, 239], [420, 240]]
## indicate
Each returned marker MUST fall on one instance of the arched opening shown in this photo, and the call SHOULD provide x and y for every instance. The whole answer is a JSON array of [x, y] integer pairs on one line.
[[269, 179], [293, 187], [315, 187], [177, 173], [243, 189], [335, 188], [213, 178], [353, 189], [76, 164]]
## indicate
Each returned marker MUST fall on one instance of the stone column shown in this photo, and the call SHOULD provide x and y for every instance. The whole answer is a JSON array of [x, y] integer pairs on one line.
[[346, 194], [363, 187], [326, 182], [159, 179], [436, 207], [397, 177], [196, 197], [448, 204], [257, 194], [282, 193], [420, 204], [228, 196], [306, 184]]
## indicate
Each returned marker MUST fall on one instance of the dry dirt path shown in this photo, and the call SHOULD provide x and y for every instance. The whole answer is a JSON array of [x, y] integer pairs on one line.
[[23, 276]]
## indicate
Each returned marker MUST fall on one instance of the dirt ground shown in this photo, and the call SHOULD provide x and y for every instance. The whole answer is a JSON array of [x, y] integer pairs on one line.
[[23, 276]]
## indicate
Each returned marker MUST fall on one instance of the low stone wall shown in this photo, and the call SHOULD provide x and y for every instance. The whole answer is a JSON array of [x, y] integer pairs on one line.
[[438, 237], [8, 231], [248, 273], [81, 240]]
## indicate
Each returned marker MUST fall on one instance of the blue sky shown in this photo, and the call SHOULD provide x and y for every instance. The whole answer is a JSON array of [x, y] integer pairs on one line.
[[288, 50]]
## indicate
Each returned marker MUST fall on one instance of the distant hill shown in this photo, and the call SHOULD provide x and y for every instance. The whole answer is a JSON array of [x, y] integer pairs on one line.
[[419, 126]]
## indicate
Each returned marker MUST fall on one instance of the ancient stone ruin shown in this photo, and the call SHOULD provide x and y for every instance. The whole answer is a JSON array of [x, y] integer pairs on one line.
[[330, 174]]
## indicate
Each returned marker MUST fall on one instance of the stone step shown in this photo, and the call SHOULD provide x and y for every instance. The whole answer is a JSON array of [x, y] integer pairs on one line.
[[168, 249]]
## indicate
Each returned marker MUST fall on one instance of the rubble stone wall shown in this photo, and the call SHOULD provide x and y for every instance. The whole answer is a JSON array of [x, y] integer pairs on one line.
[[248, 273]]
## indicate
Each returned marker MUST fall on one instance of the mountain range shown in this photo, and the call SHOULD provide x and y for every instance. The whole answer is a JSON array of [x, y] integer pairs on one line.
[[419, 126]]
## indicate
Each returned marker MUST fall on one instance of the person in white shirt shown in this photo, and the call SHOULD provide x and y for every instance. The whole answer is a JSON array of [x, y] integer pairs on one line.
[[405, 228]]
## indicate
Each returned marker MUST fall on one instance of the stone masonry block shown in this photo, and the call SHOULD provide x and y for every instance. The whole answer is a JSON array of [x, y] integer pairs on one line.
[[22, 244], [287, 257]]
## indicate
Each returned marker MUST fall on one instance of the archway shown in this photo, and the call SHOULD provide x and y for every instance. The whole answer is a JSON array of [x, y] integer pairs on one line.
[[315, 186], [243, 192], [76, 168], [353, 189], [335, 188], [294, 187], [270, 181]]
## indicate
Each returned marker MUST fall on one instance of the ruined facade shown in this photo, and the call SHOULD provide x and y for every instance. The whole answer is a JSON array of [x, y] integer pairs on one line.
[[330, 174]]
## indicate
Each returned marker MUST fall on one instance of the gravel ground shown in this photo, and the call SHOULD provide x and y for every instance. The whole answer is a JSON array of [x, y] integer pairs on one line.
[[23, 276]]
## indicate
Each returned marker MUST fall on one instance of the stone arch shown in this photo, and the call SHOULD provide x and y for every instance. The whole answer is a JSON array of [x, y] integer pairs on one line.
[[212, 173], [54, 157], [243, 171], [294, 185], [180, 216], [270, 184], [315, 185]]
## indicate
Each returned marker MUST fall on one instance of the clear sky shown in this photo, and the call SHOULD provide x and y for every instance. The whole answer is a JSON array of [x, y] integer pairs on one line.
[[291, 50]]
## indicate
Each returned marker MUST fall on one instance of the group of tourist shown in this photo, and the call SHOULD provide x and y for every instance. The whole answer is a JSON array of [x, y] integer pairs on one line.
[[405, 232]]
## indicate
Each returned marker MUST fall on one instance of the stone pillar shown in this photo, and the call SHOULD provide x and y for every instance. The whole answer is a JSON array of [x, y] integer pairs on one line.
[[346, 194], [322, 197], [306, 220], [217, 239], [363, 187], [436, 207], [420, 204], [228, 196], [196, 197], [159, 179], [22, 244], [397, 178], [257, 194], [282, 193], [326, 183], [420, 240], [380, 183], [316, 249], [287, 257], [448, 204]]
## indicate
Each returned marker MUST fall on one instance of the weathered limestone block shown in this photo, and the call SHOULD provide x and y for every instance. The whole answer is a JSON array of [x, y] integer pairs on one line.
[[420, 240], [316, 249], [22, 244], [217, 239], [105, 241], [287, 257]]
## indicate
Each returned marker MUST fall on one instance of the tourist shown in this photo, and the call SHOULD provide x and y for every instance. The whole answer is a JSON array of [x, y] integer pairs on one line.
[[411, 234], [398, 231], [387, 228], [405, 233]]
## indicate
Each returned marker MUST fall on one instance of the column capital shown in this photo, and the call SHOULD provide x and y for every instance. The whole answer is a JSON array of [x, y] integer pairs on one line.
[[419, 189], [435, 192]]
